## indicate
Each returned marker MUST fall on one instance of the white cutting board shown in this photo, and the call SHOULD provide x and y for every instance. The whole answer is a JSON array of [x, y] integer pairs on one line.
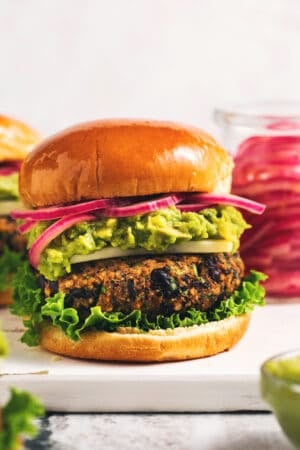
[[225, 382]]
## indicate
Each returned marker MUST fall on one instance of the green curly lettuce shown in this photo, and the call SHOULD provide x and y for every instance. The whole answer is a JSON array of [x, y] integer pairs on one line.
[[29, 303], [18, 418], [9, 262], [154, 231]]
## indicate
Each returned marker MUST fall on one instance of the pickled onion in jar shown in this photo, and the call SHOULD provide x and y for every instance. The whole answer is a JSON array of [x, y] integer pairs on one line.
[[267, 170]]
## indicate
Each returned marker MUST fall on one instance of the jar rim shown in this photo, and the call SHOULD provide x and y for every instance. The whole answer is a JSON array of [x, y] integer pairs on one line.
[[259, 114]]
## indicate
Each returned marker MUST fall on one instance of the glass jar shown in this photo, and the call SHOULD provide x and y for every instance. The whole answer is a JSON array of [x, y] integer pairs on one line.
[[264, 140]]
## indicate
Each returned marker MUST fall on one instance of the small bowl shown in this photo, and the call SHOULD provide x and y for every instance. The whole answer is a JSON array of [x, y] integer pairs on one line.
[[280, 388]]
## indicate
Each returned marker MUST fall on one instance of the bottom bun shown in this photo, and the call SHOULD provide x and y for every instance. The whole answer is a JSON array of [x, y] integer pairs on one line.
[[6, 297], [157, 345]]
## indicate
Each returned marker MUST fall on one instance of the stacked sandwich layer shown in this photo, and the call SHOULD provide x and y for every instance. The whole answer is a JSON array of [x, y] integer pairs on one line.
[[16, 140]]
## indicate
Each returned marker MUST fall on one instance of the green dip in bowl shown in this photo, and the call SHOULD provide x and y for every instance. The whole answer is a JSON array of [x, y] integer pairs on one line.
[[280, 387]]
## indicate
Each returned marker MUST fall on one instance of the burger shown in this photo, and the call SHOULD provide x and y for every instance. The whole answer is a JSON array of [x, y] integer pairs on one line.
[[16, 417], [16, 139], [133, 244]]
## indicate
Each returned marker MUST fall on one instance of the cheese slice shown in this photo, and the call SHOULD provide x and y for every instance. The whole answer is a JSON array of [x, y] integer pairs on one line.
[[203, 246]]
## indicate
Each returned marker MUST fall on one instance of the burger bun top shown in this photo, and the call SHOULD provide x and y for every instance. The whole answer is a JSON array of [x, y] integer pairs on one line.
[[16, 139], [120, 158]]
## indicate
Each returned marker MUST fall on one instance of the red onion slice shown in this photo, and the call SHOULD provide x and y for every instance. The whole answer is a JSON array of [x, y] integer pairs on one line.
[[5, 171], [258, 147], [254, 188], [284, 124], [9, 167], [51, 233], [256, 236], [27, 226], [144, 207], [267, 169], [191, 207], [273, 198], [283, 282], [228, 199], [56, 212]]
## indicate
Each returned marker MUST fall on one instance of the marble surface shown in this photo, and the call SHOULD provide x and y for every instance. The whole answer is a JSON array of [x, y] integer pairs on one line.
[[235, 431], [226, 382]]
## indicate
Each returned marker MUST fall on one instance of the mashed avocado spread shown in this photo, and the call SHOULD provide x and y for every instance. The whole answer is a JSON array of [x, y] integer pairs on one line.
[[9, 187], [155, 231]]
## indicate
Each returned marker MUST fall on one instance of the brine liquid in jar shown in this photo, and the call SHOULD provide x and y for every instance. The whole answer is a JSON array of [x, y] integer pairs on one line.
[[264, 140]]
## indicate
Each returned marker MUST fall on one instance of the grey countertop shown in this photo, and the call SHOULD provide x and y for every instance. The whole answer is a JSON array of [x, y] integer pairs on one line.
[[226, 431]]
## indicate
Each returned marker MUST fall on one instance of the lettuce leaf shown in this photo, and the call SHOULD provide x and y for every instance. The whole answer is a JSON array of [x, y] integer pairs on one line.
[[17, 418], [9, 262], [28, 302]]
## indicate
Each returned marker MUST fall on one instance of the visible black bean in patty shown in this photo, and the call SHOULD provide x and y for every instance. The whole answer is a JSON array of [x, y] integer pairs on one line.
[[154, 284]]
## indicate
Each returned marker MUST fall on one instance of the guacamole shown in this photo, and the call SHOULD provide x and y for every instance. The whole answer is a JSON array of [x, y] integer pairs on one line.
[[9, 189], [280, 388], [155, 231]]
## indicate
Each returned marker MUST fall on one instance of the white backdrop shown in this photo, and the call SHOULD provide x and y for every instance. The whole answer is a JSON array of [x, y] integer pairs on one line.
[[64, 61]]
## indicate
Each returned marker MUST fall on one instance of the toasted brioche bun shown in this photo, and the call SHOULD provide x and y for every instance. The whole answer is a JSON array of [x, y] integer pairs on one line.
[[159, 345], [117, 158], [6, 297], [16, 139]]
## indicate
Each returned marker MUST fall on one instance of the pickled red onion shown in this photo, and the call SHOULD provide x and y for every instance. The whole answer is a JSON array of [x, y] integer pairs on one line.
[[257, 147], [253, 188], [191, 207], [228, 199], [125, 207], [9, 167], [51, 233], [281, 280], [56, 212], [267, 169], [26, 226], [144, 207], [283, 124]]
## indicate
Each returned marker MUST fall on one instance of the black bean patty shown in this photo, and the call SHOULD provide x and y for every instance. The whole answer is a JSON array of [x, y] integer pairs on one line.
[[10, 236], [155, 285]]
